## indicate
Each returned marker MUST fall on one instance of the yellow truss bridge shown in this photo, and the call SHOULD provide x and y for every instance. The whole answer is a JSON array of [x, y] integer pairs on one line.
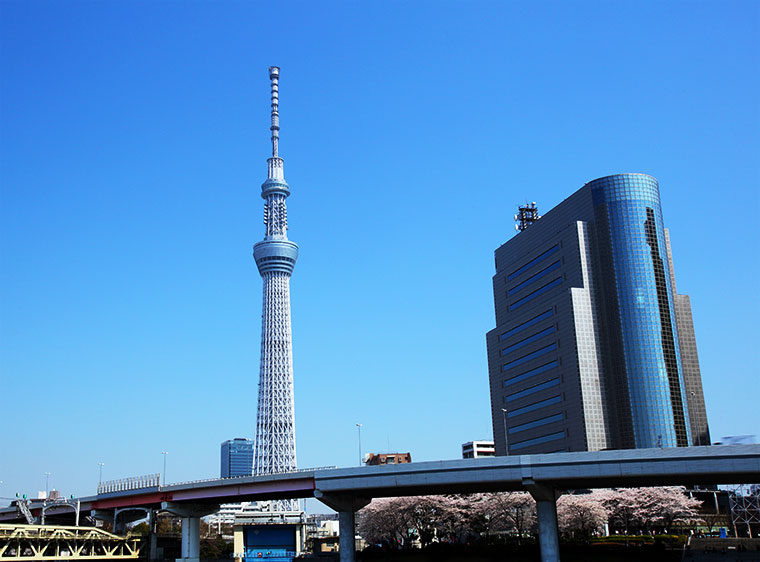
[[50, 542]]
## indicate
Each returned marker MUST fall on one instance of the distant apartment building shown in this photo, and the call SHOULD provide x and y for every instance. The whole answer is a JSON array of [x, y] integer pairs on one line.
[[477, 449], [593, 347], [237, 458], [373, 459]]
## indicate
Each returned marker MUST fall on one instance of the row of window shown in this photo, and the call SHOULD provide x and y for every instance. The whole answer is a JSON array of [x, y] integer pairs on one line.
[[533, 278], [527, 324], [535, 406], [277, 258], [535, 388], [529, 356], [516, 273], [537, 441], [527, 374], [534, 294], [537, 423], [530, 339]]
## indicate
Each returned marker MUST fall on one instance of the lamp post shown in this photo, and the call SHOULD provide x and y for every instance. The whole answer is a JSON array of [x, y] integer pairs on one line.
[[100, 474], [359, 429], [47, 484], [506, 440], [164, 477]]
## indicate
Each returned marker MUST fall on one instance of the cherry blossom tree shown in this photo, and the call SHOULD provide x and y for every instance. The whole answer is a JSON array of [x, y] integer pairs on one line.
[[382, 522], [460, 518], [402, 520], [513, 511], [664, 506], [650, 508], [581, 515], [623, 508]]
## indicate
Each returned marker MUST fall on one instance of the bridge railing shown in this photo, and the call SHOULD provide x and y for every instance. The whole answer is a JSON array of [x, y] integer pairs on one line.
[[227, 479], [131, 483], [154, 481]]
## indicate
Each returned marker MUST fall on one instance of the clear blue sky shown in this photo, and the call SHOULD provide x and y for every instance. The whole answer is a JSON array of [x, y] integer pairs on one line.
[[134, 143]]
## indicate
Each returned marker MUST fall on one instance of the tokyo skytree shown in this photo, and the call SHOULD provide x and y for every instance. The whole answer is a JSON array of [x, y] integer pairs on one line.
[[275, 443]]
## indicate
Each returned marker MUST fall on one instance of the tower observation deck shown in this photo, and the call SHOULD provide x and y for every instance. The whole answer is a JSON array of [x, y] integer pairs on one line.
[[275, 441]]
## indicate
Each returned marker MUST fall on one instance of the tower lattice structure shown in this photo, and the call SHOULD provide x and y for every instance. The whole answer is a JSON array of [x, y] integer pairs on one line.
[[275, 442]]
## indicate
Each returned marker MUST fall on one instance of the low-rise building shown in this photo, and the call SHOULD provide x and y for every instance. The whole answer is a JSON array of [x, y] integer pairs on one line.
[[477, 449], [373, 459], [277, 536]]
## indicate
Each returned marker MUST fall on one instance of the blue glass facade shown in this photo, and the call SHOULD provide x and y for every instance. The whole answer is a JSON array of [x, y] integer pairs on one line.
[[643, 353], [237, 458]]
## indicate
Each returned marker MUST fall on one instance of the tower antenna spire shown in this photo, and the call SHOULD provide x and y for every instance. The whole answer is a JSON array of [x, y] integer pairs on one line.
[[274, 76], [274, 163]]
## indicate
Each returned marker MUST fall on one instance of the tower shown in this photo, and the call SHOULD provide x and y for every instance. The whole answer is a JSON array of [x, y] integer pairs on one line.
[[275, 442]]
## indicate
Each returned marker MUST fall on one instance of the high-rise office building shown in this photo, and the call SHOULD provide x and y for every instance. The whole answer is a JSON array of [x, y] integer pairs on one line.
[[593, 348], [237, 457], [275, 441]]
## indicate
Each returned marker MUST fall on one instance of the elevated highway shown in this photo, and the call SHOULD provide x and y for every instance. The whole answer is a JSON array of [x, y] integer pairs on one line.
[[348, 489]]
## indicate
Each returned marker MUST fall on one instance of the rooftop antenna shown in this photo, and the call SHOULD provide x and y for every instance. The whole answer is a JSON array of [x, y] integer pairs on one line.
[[526, 215]]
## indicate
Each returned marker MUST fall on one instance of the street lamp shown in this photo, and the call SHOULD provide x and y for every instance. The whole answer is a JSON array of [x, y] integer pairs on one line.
[[506, 441], [164, 453], [100, 475], [359, 429], [47, 484]]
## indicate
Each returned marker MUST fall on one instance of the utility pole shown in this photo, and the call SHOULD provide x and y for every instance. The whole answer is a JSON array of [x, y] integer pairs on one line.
[[100, 474], [506, 440]]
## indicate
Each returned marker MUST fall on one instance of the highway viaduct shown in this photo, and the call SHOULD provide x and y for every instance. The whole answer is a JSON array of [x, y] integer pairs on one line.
[[347, 490]]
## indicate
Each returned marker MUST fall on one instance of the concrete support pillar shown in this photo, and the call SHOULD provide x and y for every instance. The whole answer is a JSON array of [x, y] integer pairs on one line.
[[152, 536], [191, 539], [153, 552], [548, 536], [346, 520], [546, 506], [119, 524], [346, 506], [191, 526]]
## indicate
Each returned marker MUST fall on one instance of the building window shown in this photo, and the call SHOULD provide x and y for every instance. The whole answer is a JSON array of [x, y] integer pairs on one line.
[[533, 262], [537, 441], [529, 356], [535, 320], [528, 391], [534, 278], [527, 374], [535, 406], [526, 341], [534, 294], [537, 423]]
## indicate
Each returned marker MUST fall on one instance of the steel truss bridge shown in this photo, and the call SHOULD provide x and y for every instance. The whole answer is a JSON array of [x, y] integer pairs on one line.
[[47, 542]]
